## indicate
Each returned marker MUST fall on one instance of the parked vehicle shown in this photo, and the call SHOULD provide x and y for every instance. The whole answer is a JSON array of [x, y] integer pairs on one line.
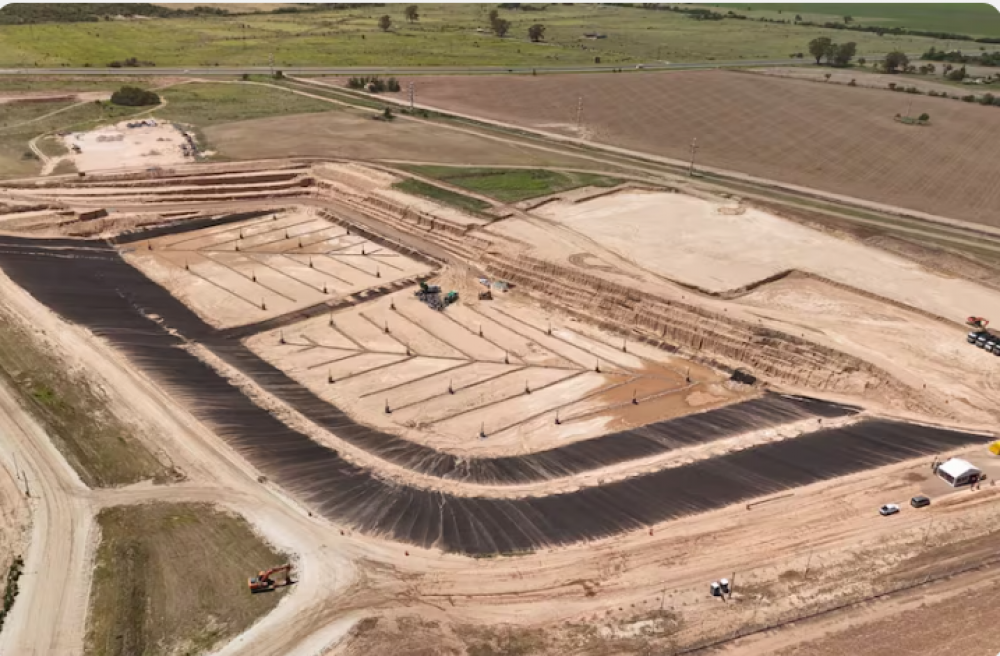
[[920, 501], [888, 509]]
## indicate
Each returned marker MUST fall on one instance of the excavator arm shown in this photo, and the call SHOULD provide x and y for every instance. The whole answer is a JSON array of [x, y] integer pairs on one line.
[[263, 581]]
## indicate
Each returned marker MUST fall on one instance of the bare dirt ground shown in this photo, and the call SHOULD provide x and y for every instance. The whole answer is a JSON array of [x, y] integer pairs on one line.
[[814, 548], [683, 238], [352, 135], [829, 137], [260, 268], [870, 80], [118, 146], [502, 367]]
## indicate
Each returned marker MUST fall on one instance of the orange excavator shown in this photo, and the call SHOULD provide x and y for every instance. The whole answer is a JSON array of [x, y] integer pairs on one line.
[[977, 322], [263, 581]]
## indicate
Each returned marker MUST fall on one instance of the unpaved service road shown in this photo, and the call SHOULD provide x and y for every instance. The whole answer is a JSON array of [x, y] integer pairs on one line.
[[48, 617]]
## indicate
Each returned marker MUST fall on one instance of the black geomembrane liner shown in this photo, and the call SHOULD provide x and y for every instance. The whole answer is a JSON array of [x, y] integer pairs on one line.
[[89, 284]]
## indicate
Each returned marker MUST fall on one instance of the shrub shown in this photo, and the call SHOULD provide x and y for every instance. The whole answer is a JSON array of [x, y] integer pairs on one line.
[[969, 98], [387, 114], [392, 84], [988, 99], [134, 97], [852, 83], [923, 118], [279, 75], [131, 62], [957, 75]]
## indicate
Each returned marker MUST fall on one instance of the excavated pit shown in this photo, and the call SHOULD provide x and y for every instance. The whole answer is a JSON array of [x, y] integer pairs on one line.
[[89, 284]]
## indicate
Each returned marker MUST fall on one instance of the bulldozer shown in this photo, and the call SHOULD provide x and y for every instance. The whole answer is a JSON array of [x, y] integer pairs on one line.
[[263, 581], [450, 297]]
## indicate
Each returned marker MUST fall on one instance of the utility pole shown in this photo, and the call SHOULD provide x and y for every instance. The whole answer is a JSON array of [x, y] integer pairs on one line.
[[579, 112], [270, 60], [412, 87], [694, 149]]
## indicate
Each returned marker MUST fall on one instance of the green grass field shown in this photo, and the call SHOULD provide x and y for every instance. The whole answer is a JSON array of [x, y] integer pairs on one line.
[[213, 103], [446, 196], [512, 185], [445, 35], [975, 19]]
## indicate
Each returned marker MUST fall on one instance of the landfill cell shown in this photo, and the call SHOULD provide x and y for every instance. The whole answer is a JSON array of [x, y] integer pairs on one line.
[[89, 284]]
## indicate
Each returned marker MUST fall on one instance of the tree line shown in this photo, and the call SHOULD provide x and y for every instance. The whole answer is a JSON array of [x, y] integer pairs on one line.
[[839, 55], [956, 57], [498, 25], [24, 13], [847, 24]]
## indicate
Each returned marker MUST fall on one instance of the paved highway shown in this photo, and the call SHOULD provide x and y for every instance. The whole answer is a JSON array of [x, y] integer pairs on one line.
[[412, 70]]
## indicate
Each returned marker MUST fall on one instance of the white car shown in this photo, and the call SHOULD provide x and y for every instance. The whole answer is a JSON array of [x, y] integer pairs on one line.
[[888, 509]]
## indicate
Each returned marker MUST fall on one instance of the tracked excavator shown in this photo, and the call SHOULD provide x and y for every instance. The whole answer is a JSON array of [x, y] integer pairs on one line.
[[263, 581]]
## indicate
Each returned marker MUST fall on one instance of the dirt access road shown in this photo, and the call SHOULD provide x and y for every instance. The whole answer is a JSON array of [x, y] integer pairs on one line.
[[55, 587]]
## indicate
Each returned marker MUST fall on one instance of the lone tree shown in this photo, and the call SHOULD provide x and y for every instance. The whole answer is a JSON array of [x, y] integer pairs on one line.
[[412, 14], [820, 47], [536, 32], [923, 118], [134, 97], [896, 61], [500, 26], [848, 20], [385, 23], [842, 54]]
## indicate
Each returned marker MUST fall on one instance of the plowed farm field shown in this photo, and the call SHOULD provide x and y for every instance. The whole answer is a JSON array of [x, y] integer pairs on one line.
[[835, 138]]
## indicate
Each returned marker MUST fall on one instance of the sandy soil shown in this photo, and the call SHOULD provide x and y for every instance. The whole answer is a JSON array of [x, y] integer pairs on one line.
[[54, 592], [811, 548], [118, 145], [684, 238], [260, 268], [918, 350], [527, 365]]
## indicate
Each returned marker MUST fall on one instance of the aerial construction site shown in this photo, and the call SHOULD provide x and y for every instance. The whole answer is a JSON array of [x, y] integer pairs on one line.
[[377, 409]]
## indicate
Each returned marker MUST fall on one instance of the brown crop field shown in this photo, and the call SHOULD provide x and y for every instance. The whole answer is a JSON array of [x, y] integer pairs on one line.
[[839, 139]]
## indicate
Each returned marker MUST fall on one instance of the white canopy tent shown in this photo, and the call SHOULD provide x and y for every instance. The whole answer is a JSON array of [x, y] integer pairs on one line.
[[956, 472]]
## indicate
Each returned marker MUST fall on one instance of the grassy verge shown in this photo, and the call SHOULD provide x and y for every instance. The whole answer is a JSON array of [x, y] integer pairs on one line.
[[460, 201], [71, 83], [205, 104], [512, 185], [172, 579], [75, 413], [16, 159]]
